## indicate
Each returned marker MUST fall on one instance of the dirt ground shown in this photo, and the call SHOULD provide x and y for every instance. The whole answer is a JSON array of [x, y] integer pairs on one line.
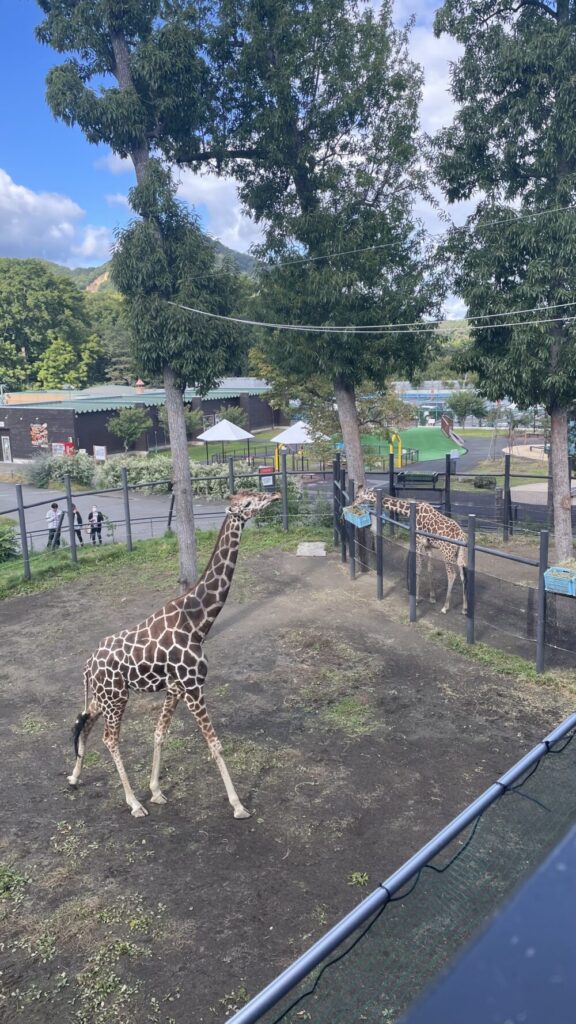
[[350, 737]]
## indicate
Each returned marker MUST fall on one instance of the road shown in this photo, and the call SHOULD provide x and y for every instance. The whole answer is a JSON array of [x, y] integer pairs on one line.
[[148, 512]]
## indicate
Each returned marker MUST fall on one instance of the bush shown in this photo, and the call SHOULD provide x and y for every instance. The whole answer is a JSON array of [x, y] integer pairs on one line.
[[485, 483], [8, 539], [207, 481], [47, 468]]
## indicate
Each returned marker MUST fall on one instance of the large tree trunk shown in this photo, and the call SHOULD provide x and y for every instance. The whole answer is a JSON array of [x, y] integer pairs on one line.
[[182, 481], [348, 415], [561, 484]]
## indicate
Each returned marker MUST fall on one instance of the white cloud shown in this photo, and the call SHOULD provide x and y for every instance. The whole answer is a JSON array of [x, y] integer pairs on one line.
[[118, 199], [219, 198], [115, 164], [47, 225]]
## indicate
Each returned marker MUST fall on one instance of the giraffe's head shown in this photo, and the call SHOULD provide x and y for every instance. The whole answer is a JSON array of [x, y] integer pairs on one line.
[[366, 495], [246, 504]]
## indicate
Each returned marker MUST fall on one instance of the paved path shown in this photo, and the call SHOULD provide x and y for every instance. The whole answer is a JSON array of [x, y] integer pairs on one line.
[[148, 512]]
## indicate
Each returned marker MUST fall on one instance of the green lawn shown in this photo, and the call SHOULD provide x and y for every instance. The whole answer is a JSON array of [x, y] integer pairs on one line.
[[51, 569], [495, 467], [198, 451]]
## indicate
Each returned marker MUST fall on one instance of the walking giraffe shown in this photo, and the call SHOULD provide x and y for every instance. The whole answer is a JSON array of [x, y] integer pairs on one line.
[[165, 652], [430, 520]]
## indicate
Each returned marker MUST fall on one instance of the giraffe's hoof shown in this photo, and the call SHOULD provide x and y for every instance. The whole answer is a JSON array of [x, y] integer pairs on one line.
[[139, 811], [444, 610], [73, 782], [241, 812], [432, 599], [158, 798]]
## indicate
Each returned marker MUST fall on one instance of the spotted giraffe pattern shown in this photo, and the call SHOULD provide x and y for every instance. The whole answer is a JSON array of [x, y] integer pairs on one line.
[[165, 652], [430, 520]]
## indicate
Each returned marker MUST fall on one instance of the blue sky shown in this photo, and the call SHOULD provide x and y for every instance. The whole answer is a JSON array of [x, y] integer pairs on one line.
[[61, 198]]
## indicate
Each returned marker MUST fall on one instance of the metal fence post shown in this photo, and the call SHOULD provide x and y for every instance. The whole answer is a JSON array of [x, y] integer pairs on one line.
[[343, 533], [284, 479], [335, 498], [470, 578], [171, 511], [124, 481], [68, 490], [541, 621], [379, 547], [447, 483], [412, 569], [391, 489], [23, 537], [231, 474], [350, 529], [506, 500]]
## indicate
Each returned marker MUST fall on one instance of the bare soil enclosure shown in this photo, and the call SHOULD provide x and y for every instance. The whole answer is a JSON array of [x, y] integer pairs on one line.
[[350, 737]]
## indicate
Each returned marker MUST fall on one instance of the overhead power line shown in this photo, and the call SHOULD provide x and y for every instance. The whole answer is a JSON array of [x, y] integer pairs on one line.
[[419, 326]]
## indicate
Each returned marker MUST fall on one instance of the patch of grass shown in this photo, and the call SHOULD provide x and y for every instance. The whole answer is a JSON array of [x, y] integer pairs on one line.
[[147, 562], [500, 661], [30, 726], [12, 884], [234, 1001], [360, 878], [92, 759], [351, 716]]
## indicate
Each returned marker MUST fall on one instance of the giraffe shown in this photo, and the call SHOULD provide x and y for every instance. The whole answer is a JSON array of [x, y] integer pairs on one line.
[[430, 520], [165, 652]]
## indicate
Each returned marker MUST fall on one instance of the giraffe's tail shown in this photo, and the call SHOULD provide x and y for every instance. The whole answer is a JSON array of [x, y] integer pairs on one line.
[[83, 717], [78, 727]]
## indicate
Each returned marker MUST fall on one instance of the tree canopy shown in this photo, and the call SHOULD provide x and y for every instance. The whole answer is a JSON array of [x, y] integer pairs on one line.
[[512, 138]]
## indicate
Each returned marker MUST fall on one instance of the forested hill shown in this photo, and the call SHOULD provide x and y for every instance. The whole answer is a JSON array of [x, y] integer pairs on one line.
[[97, 279]]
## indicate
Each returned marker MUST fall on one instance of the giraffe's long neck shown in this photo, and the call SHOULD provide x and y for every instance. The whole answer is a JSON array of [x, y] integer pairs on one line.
[[396, 505], [205, 600]]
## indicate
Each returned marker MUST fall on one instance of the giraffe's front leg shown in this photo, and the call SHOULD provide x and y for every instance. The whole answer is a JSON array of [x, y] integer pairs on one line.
[[168, 709], [451, 574], [113, 717], [194, 700]]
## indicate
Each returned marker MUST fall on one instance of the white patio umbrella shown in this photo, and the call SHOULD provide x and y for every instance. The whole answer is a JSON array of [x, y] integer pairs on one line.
[[298, 433], [225, 431]]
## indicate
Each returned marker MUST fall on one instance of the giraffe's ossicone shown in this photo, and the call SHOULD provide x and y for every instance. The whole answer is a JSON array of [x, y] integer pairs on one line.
[[165, 652]]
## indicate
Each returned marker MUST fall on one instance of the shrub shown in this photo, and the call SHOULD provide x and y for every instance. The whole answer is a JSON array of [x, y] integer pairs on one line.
[[38, 472], [8, 539], [207, 481], [486, 483], [47, 468]]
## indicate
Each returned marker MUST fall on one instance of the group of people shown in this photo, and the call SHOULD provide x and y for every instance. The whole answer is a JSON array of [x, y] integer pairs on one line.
[[55, 516]]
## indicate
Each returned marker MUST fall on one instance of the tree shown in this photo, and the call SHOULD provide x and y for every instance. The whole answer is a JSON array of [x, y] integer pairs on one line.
[[129, 425], [466, 403], [193, 418], [234, 414], [513, 139], [325, 94], [108, 321], [152, 49], [12, 366], [37, 306], [58, 366]]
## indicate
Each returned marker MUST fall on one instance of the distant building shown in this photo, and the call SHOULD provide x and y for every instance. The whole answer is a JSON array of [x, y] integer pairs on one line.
[[31, 422]]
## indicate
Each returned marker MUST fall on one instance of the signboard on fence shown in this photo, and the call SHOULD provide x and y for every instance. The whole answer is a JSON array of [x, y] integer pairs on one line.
[[267, 478], [100, 452]]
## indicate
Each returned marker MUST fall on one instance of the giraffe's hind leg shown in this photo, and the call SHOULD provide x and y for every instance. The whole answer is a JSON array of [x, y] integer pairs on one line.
[[94, 713], [451, 574], [112, 712], [168, 709], [194, 700]]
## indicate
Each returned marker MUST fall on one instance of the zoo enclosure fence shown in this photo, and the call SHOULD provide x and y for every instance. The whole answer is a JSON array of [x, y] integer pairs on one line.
[[375, 961], [277, 480], [545, 620]]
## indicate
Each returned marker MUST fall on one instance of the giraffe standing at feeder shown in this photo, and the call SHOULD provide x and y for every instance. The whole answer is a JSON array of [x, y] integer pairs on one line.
[[430, 520], [165, 652]]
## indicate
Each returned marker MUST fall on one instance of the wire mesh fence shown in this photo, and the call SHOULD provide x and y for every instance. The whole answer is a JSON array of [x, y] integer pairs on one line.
[[378, 969]]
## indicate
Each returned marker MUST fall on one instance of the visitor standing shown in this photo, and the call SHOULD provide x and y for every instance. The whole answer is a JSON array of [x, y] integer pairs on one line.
[[54, 517], [95, 518], [77, 524]]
